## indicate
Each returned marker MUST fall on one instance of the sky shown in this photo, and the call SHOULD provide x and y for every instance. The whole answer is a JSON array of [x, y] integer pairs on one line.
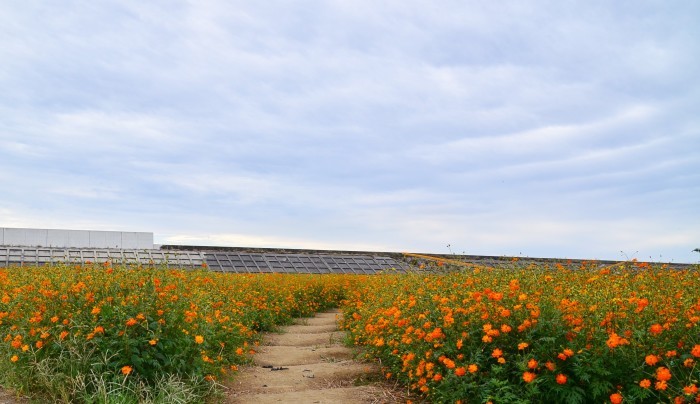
[[566, 129]]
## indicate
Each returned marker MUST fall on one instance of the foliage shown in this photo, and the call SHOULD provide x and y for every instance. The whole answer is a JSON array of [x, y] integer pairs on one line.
[[100, 333], [535, 334]]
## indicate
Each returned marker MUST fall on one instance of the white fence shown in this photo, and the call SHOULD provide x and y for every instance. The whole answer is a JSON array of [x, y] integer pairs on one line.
[[17, 237]]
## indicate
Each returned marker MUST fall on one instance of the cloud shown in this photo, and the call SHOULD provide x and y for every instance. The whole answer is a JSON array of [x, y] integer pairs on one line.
[[505, 128]]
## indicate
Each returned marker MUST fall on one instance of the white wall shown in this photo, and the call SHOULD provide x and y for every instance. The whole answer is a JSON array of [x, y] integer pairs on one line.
[[75, 238]]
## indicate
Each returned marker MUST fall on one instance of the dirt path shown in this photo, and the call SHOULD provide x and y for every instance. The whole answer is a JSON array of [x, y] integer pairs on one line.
[[308, 363]]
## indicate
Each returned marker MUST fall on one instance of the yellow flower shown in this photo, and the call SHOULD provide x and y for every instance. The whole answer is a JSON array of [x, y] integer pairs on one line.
[[14, 358]]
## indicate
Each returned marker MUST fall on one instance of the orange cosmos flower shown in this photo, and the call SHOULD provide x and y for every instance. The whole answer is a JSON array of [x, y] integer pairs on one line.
[[663, 374], [460, 371], [131, 322], [472, 368], [561, 378], [14, 358], [690, 390], [532, 364], [529, 377], [550, 366], [523, 345], [497, 353], [126, 370], [616, 398], [695, 351], [645, 383], [656, 329], [615, 341], [199, 339], [651, 360]]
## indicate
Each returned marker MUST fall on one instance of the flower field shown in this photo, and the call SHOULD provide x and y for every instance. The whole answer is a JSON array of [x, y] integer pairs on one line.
[[517, 335], [98, 333], [103, 333]]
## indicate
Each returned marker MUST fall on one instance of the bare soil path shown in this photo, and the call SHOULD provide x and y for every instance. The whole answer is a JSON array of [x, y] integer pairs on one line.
[[308, 363]]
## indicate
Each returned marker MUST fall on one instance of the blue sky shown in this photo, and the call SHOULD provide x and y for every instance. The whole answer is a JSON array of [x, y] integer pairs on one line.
[[542, 128]]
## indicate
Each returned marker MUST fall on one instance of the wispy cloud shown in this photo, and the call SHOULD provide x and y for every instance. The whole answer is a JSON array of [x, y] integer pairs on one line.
[[563, 129]]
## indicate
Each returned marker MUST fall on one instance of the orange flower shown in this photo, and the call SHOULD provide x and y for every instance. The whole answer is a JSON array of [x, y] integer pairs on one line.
[[126, 370], [615, 341], [645, 383], [568, 352], [529, 377], [561, 378], [690, 390], [437, 377], [695, 351], [523, 345], [63, 335], [663, 374], [656, 329], [14, 358], [199, 339], [532, 364], [497, 353], [550, 366], [131, 322], [153, 342], [472, 368], [460, 371], [616, 398], [651, 360], [661, 385]]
